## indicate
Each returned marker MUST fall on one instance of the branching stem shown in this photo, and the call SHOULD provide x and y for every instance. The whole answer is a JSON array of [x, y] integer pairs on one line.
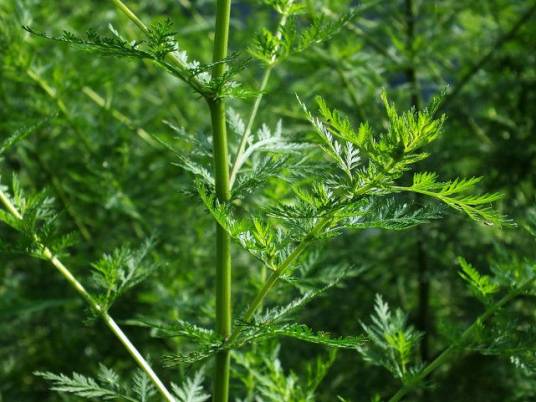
[[170, 58], [95, 306], [238, 161], [275, 275], [287, 262], [448, 352]]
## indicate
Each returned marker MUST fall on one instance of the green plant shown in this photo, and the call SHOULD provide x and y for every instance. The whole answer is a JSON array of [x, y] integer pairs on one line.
[[280, 198]]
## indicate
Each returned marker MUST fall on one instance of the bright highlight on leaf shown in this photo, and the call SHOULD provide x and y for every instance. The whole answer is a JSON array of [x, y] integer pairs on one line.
[[457, 194], [391, 341], [482, 285]]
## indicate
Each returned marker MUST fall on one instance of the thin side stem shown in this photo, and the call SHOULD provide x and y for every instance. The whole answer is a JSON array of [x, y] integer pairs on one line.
[[221, 174], [108, 320], [238, 160], [449, 351], [275, 275], [53, 94], [131, 16], [170, 58], [99, 100], [247, 131]]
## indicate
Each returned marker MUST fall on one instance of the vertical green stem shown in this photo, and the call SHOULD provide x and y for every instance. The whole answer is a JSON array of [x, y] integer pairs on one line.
[[223, 255], [221, 169], [221, 172]]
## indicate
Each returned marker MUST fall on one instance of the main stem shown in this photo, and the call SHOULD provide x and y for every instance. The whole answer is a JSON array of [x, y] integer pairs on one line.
[[221, 172]]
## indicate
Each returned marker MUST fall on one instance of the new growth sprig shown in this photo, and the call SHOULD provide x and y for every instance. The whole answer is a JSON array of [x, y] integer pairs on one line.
[[388, 156]]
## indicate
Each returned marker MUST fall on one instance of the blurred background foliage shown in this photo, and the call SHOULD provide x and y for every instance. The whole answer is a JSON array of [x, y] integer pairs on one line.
[[116, 184]]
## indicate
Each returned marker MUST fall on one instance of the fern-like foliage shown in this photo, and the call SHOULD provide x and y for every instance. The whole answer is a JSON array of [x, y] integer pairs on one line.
[[266, 379], [482, 285], [384, 158], [206, 343], [389, 154], [121, 270], [270, 324], [162, 38], [298, 331], [358, 190], [193, 153], [263, 150], [113, 45], [290, 39], [221, 212], [39, 223], [512, 273], [107, 386], [390, 214], [113, 274], [161, 48], [195, 333], [391, 342], [191, 389], [22, 133], [314, 275], [457, 194]]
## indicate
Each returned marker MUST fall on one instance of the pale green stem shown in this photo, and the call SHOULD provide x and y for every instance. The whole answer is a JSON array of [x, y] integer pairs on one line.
[[170, 57], [99, 100], [131, 16], [276, 274], [238, 161], [108, 320], [223, 253]]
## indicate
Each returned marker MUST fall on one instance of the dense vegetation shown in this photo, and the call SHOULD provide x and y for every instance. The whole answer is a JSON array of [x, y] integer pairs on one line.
[[273, 200]]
